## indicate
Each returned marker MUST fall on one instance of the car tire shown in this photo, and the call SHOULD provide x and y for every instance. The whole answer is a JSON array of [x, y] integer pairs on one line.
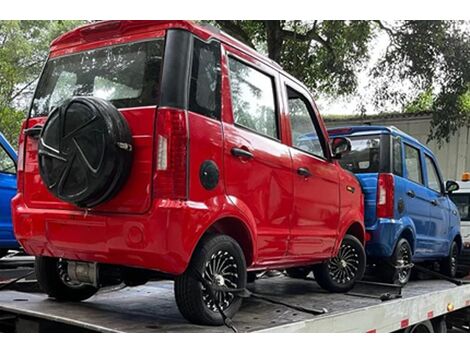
[[298, 273], [193, 300], [53, 281], [3, 252], [402, 255], [339, 274], [449, 265]]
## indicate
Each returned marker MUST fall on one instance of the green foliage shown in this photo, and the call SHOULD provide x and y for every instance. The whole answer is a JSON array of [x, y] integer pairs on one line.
[[423, 102], [23, 49]]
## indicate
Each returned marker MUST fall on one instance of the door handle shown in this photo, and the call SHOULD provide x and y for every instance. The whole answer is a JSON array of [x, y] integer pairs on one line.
[[34, 131], [411, 194], [241, 153], [303, 171], [434, 202]]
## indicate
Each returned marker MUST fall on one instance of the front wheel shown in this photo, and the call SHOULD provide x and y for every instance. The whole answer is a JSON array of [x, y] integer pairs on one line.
[[220, 261], [52, 276], [339, 274], [449, 265]]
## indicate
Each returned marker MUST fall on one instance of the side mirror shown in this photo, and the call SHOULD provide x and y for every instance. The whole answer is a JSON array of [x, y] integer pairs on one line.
[[452, 186], [340, 146]]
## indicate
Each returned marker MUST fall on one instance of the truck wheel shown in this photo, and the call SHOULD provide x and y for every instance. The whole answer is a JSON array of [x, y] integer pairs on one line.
[[3, 252], [219, 260], [396, 271], [52, 276], [449, 264], [339, 274], [298, 273], [425, 327]]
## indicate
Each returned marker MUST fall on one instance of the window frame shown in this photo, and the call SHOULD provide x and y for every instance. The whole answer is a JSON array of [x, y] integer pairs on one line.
[[405, 144], [439, 178], [314, 119], [12, 159], [273, 78]]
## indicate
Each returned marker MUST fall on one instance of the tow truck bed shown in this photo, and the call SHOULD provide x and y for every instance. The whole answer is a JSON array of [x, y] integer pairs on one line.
[[152, 308]]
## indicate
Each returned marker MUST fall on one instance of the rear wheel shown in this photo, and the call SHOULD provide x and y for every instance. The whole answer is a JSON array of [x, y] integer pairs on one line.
[[220, 261], [398, 269], [298, 273], [52, 276], [339, 274], [449, 265]]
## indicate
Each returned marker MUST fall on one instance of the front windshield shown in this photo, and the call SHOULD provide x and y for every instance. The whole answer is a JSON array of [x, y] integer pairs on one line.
[[127, 75], [364, 156]]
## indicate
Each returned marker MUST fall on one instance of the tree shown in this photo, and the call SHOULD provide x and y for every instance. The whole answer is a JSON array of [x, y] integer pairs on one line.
[[23, 50]]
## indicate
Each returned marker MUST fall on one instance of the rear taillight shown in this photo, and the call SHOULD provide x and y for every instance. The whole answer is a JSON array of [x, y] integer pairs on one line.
[[385, 196], [171, 139]]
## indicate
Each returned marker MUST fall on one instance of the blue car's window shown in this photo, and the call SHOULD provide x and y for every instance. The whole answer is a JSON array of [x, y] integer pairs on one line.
[[462, 201], [413, 164], [364, 156], [433, 177], [7, 165]]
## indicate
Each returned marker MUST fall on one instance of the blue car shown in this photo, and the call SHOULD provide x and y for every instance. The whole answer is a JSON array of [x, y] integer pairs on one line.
[[7, 191], [409, 216]]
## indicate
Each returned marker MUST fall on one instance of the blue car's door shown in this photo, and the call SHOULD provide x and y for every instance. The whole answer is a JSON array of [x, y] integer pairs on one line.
[[438, 230], [7, 191], [416, 198]]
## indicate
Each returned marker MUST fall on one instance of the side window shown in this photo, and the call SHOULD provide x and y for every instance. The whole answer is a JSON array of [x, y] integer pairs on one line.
[[253, 100], [204, 96], [413, 164], [305, 134], [433, 177], [397, 157], [7, 165]]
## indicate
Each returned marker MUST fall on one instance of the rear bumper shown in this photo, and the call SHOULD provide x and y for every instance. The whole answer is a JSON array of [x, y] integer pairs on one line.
[[383, 237], [143, 241]]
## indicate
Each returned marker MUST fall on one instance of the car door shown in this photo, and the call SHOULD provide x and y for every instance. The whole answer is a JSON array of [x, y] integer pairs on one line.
[[416, 198], [257, 164], [438, 229], [7, 191], [316, 212]]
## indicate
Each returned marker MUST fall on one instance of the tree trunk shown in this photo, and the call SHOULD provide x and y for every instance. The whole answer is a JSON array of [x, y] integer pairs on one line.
[[274, 40]]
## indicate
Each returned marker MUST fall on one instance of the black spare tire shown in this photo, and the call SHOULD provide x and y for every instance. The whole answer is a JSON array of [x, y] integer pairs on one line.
[[85, 151]]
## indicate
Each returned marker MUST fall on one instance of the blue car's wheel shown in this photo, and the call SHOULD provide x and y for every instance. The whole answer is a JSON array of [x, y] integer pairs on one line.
[[449, 264], [398, 269]]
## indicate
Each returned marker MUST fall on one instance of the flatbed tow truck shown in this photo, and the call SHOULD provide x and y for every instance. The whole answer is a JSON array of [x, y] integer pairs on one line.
[[277, 304]]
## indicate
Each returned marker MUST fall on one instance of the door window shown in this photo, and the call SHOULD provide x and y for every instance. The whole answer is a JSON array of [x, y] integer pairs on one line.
[[7, 165], [433, 176], [253, 100], [305, 134], [413, 164]]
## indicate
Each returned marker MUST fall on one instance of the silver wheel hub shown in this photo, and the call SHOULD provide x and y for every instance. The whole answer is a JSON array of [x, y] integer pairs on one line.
[[344, 267]]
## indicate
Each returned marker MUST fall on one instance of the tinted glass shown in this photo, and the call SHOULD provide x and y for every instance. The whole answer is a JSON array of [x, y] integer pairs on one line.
[[364, 156], [253, 99], [7, 165], [205, 79], [397, 157], [433, 177], [413, 164], [126, 75], [304, 132], [462, 201]]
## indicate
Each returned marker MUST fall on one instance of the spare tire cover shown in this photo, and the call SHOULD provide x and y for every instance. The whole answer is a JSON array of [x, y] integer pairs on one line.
[[85, 151]]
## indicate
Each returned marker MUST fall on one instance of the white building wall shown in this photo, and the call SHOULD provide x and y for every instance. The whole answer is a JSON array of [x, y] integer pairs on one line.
[[453, 157]]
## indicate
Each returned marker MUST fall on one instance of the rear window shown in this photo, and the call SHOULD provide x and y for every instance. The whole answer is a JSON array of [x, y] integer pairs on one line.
[[126, 75], [462, 201], [364, 156]]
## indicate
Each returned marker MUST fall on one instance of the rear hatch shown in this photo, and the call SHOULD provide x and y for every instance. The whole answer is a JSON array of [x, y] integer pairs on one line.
[[125, 72]]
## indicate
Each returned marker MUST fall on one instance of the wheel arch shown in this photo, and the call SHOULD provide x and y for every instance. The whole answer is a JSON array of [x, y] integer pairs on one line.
[[408, 234], [357, 230]]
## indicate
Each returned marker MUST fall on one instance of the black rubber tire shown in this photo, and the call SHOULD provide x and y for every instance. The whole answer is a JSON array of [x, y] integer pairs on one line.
[[49, 280], [425, 327], [251, 277], [85, 151], [298, 273], [449, 265], [189, 291], [3, 252], [322, 272], [389, 273]]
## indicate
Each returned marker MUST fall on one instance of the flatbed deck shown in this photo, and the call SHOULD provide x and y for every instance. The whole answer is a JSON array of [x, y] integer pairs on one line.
[[152, 308]]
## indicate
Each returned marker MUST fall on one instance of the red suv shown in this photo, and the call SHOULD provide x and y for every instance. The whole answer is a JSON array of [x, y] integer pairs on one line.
[[168, 149]]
